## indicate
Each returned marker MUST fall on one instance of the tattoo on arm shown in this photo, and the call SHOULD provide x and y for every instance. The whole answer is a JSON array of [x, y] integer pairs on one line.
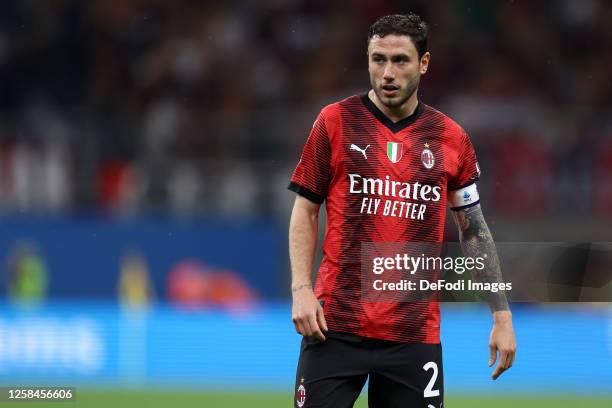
[[302, 286], [477, 241]]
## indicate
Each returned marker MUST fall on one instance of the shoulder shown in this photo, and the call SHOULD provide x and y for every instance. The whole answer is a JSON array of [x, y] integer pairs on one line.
[[332, 113], [348, 103], [450, 126]]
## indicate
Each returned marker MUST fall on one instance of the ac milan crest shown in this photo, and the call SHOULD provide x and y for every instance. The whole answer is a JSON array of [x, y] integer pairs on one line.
[[427, 157], [300, 397]]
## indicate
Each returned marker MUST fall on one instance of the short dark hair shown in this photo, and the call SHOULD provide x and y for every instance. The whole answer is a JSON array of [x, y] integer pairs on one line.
[[409, 24]]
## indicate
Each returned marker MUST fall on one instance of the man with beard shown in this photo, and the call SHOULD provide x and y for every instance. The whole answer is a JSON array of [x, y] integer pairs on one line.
[[366, 156]]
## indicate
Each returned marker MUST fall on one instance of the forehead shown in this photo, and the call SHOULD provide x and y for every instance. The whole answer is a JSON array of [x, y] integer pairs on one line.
[[392, 44]]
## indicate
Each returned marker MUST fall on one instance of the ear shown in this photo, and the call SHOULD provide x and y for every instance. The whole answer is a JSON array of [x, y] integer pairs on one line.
[[424, 63]]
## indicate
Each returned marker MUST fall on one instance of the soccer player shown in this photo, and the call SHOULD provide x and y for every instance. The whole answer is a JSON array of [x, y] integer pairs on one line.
[[386, 164]]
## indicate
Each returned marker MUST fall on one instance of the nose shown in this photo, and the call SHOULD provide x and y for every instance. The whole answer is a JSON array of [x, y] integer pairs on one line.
[[388, 73]]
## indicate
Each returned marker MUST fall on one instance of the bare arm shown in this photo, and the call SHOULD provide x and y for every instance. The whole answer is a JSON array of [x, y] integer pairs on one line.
[[307, 313], [477, 241]]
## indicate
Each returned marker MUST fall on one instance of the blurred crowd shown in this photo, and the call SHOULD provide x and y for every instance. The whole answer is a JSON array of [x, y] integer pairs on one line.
[[202, 107]]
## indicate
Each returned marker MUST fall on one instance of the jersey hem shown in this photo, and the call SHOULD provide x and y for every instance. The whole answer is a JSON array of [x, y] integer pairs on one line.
[[354, 337], [306, 193], [469, 183]]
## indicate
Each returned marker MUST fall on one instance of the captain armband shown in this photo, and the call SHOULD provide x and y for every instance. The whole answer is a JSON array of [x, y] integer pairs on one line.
[[464, 197]]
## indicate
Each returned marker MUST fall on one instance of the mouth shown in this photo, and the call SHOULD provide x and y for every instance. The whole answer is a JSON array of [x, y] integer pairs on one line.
[[390, 89]]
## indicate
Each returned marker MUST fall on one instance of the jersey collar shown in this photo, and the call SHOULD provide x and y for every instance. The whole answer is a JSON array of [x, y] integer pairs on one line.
[[384, 119]]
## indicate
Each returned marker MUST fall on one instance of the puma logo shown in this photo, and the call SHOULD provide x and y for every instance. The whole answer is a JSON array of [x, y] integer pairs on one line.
[[362, 151]]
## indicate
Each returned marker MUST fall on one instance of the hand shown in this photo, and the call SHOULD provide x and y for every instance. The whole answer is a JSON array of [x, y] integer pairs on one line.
[[307, 313], [502, 340]]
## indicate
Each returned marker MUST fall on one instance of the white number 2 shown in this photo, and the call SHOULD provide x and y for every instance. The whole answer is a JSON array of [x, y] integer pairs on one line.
[[429, 392]]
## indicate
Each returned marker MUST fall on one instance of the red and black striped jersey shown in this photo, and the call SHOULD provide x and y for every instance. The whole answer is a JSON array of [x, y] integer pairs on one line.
[[382, 182]]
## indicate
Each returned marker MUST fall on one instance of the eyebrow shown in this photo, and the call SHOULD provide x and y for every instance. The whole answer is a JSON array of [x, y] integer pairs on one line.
[[394, 57]]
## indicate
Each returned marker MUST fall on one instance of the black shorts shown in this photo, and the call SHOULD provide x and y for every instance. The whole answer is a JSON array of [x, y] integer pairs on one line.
[[332, 373]]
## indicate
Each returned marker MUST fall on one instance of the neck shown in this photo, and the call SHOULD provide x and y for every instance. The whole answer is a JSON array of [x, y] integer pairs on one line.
[[396, 113]]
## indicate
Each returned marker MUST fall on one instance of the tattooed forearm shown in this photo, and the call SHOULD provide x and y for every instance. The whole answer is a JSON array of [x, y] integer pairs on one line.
[[477, 241]]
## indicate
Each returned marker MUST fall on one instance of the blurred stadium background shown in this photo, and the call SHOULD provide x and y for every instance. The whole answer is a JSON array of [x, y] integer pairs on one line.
[[145, 149]]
